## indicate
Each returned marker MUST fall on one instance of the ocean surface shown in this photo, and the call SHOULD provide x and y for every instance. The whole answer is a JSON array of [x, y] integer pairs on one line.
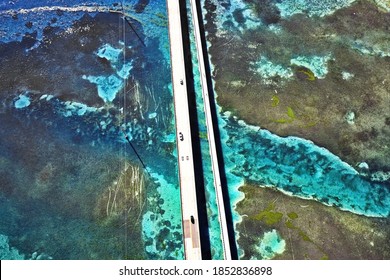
[[76, 78], [253, 155], [294, 165]]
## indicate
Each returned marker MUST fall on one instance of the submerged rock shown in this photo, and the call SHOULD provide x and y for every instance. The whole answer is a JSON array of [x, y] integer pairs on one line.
[[22, 102], [350, 117]]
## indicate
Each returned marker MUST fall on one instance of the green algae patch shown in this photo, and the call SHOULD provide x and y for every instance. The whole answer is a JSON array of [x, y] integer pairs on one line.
[[309, 75], [203, 135], [290, 116], [290, 113], [281, 121], [160, 20], [304, 236], [161, 15], [275, 101], [325, 257], [289, 224], [311, 230], [269, 216], [292, 215]]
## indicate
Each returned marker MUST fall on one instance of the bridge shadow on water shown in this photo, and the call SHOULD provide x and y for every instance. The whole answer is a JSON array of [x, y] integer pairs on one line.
[[200, 184]]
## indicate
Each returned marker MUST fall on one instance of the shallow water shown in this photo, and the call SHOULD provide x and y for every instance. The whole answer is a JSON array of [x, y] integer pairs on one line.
[[251, 59], [74, 76]]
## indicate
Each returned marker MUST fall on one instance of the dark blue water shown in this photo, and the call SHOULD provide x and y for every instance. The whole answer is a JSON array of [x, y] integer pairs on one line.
[[70, 85], [80, 77]]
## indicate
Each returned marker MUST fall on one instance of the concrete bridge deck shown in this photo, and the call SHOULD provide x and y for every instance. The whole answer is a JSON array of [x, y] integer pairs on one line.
[[192, 242], [189, 207]]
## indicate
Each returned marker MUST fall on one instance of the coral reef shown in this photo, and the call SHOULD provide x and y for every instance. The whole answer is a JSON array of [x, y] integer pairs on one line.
[[307, 87], [7, 252], [319, 8], [271, 245], [75, 80], [306, 229], [320, 67]]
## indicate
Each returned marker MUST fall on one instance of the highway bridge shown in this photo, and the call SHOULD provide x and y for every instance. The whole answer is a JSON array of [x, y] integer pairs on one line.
[[191, 226], [191, 231]]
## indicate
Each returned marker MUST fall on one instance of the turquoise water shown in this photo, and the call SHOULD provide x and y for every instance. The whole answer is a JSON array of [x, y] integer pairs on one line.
[[212, 209], [271, 245], [298, 167], [77, 149], [62, 143], [162, 229], [292, 165], [22, 102]]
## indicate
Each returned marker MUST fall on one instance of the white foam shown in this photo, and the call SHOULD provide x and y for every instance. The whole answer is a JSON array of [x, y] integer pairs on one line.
[[268, 70], [152, 115], [81, 8], [311, 7], [317, 64]]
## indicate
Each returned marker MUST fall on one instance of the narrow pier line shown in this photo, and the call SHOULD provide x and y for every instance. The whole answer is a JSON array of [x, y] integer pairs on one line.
[[210, 135]]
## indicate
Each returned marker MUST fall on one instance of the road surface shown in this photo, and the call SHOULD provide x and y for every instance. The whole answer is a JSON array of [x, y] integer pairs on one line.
[[192, 249]]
